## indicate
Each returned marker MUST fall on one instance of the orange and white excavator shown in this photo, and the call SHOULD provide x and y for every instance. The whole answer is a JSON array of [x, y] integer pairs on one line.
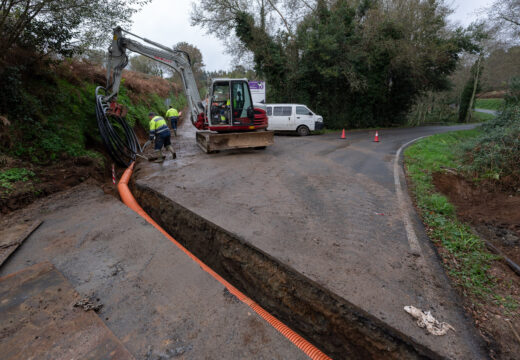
[[226, 119]]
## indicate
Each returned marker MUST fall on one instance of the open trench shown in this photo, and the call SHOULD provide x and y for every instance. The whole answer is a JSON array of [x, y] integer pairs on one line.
[[333, 324]]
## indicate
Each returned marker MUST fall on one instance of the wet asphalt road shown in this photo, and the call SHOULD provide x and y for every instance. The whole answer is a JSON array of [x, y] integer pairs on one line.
[[328, 208]]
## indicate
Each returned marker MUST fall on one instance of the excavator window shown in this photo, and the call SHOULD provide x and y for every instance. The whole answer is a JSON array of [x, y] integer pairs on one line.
[[221, 104], [241, 99]]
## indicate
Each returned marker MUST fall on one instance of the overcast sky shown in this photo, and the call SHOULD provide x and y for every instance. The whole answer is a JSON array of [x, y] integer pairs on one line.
[[168, 22]]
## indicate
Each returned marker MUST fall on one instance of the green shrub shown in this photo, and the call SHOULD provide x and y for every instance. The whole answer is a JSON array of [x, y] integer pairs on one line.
[[495, 154], [10, 176]]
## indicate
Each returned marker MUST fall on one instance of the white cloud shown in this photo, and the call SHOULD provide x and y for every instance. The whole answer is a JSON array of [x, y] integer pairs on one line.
[[168, 22], [466, 10]]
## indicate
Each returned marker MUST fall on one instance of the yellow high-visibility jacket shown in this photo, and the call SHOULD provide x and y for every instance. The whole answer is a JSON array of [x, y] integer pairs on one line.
[[171, 112], [157, 126]]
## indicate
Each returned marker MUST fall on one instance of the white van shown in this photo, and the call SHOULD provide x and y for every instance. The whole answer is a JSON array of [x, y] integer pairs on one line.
[[293, 117]]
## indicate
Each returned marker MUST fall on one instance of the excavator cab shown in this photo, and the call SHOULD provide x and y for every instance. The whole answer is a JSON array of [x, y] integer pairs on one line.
[[231, 106]]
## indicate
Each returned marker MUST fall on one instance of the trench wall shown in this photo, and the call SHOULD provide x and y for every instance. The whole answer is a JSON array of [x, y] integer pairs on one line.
[[336, 326]]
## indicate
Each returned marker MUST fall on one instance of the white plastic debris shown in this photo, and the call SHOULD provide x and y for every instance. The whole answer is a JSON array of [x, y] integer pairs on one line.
[[426, 320]]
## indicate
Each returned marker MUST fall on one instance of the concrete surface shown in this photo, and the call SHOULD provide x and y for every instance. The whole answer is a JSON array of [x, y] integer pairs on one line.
[[41, 320], [328, 208], [156, 300]]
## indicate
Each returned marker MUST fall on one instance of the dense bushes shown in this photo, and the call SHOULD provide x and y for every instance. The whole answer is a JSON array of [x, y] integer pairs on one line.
[[495, 154]]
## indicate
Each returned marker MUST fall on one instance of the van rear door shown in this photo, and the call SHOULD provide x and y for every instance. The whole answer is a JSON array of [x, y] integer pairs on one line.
[[281, 118], [275, 118]]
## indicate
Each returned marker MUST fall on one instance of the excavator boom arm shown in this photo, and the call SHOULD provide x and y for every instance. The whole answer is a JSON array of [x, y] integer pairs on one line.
[[177, 60]]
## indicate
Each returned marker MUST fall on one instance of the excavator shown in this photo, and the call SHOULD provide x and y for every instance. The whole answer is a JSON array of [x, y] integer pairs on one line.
[[226, 119]]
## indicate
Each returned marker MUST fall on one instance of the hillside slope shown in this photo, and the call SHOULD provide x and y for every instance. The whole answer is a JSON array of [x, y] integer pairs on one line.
[[49, 138]]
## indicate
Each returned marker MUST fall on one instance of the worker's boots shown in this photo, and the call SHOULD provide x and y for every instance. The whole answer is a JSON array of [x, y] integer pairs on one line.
[[157, 157], [170, 149]]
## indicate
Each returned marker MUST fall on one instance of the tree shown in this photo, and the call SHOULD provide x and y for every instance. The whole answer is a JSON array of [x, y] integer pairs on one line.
[[61, 26], [506, 15], [470, 89], [358, 64], [501, 65], [218, 17], [148, 66], [196, 60]]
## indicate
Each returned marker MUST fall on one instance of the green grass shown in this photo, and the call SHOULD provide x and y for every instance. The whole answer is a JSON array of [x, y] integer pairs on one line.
[[489, 104], [471, 260], [10, 176], [481, 117]]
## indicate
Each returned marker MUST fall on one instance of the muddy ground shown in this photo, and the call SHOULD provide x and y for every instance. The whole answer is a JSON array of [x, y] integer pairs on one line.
[[495, 217], [153, 298]]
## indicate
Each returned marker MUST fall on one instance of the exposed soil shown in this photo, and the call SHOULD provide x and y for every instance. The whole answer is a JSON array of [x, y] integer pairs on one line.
[[50, 179], [495, 216], [492, 94]]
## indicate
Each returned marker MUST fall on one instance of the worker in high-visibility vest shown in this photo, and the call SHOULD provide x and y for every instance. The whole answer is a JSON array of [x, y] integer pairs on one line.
[[161, 133], [225, 111], [173, 115]]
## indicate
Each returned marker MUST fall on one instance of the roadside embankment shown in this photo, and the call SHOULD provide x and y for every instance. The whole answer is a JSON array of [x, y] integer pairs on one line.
[[464, 202], [49, 139]]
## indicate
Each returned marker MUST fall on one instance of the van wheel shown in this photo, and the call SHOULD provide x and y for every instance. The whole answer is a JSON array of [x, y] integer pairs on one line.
[[303, 130]]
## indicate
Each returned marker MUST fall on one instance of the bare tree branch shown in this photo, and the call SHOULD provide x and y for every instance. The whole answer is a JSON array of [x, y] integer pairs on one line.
[[281, 16]]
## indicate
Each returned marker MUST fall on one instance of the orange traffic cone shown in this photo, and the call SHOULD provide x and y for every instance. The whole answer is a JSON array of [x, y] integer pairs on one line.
[[343, 134], [376, 138]]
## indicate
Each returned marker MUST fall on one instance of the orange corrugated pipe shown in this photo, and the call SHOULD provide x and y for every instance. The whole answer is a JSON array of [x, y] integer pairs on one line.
[[310, 350]]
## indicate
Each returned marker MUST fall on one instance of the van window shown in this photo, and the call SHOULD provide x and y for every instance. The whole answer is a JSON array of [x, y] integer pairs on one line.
[[302, 110], [269, 111], [282, 111]]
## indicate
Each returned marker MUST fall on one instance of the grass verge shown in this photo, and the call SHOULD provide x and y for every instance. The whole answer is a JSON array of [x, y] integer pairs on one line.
[[481, 117], [489, 104], [466, 257], [490, 292]]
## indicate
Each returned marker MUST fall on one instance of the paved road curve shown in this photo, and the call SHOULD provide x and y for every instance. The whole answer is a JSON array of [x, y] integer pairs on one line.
[[329, 208], [486, 111]]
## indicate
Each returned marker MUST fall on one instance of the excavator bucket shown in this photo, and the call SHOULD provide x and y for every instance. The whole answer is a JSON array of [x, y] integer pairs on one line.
[[212, 142]]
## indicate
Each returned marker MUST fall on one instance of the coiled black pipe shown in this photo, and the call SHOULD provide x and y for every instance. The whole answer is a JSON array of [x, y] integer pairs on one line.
[[122, 145]]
